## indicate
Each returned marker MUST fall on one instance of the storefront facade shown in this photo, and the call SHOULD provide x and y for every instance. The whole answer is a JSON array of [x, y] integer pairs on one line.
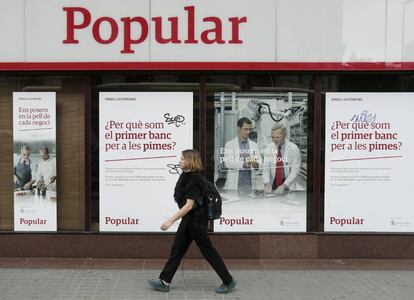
[[123, 89]]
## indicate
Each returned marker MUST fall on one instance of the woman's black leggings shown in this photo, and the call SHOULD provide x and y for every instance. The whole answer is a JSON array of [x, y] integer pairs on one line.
[[189, 230]]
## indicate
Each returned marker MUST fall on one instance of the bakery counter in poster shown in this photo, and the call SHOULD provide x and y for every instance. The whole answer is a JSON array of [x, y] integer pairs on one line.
[[259, 212], [35, 210]]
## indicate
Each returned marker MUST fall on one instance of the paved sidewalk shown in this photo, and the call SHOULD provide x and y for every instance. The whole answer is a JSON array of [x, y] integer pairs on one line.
[[257, 279]]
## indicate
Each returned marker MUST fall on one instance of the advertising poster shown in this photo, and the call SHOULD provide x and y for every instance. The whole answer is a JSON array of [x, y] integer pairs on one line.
[[261, 161], [368, 158], [34, 161], [141, 136]]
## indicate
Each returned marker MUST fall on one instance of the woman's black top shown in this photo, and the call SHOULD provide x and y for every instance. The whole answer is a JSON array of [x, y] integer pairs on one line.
[[189, 186]]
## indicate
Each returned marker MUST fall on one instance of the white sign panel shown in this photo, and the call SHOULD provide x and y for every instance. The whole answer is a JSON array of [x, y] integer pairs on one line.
[[12, 31], [368, 161], [265, 31], [83, 30], [216, 30], [34, 156], [99, 31], [141, 137]]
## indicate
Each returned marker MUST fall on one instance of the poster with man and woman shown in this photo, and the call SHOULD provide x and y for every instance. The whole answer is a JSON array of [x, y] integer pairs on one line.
[[34, 161]]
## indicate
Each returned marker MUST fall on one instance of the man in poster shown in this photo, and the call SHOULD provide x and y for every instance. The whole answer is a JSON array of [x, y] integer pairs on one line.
[[46, 170], [242, 158], [281, 164], [24, 170]]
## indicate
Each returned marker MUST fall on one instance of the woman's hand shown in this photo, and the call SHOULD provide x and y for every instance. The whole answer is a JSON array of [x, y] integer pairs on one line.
[[166, 225], [179, 214]]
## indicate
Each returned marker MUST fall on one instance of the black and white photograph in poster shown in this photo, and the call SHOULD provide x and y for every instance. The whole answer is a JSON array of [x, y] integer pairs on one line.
[[34, 161], [141, 137], [368, 161], [261, 161]]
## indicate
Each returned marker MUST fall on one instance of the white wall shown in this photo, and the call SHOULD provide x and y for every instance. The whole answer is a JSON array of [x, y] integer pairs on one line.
[[276, 31], [12, 31]]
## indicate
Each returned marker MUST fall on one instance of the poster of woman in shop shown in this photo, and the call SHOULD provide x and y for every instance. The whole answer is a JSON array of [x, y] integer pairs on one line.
[[260, 161], [34, 161]]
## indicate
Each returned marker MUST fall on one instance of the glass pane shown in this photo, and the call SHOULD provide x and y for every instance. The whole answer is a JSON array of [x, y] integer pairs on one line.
[[265, 100], [70, 145], [134, 82]]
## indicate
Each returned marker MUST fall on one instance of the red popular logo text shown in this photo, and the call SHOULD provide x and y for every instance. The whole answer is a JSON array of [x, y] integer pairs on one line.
[[214, 35]]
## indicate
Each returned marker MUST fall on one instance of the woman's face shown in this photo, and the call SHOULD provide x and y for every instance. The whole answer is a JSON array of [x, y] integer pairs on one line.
[[182, 163]]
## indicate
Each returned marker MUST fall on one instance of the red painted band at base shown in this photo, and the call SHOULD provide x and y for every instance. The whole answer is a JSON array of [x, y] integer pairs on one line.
[[208, 66]]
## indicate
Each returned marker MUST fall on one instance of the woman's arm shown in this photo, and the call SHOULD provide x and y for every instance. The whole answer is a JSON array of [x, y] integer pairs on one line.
[[179, 214]]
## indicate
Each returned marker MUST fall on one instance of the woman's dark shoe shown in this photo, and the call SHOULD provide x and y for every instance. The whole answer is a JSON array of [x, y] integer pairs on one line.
[[158, 285], [225, 289]]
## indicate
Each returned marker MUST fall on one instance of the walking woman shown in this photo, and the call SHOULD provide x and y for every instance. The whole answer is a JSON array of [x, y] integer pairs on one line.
[[193, 226]]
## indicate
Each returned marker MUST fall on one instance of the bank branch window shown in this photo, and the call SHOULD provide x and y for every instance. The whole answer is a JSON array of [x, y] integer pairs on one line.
[[140, 126], [368, 157], [259, 152], [252, 125], [42, 185]]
